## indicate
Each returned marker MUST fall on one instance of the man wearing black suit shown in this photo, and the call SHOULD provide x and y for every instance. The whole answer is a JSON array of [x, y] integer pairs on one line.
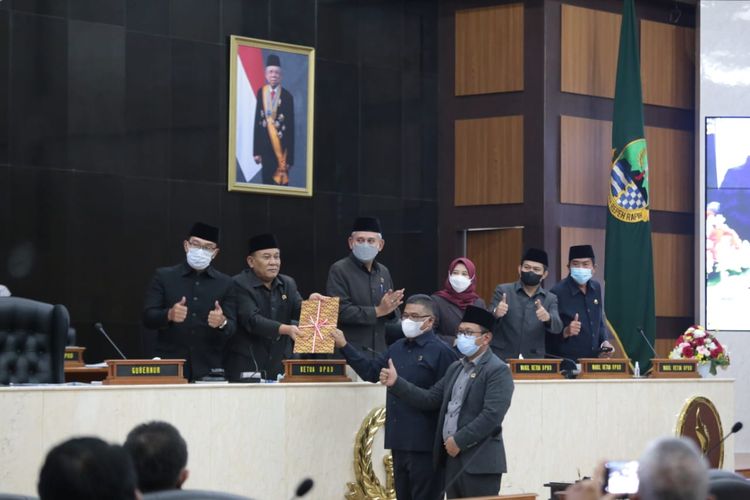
[[192, 306], [473, 397], [273, 139], [268, 308]]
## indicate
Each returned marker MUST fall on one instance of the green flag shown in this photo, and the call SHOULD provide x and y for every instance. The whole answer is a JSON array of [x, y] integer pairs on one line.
[[629, 269]]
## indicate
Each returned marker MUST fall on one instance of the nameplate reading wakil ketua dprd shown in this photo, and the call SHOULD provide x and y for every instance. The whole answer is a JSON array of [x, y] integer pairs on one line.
[[604, 368], [674, 368], [145, 371], [315, 370], [534, 368]]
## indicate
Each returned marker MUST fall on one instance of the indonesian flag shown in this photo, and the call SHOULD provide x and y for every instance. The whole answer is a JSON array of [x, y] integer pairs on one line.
[[250, 77]]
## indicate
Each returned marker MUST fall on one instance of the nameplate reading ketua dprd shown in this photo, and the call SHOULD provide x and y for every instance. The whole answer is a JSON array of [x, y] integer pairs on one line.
[[145, 371], [535, 368], [315, 370], [604, 368]]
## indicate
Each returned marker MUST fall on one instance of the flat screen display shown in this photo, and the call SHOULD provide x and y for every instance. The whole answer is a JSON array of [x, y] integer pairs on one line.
[[727, 225]]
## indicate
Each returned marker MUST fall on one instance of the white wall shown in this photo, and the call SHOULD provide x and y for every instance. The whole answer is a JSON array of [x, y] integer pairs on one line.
[[723, 88]]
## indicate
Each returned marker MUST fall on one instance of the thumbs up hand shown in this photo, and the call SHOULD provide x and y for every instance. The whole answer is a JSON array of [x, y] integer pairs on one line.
[[216, 316], [502, 308], [574, 328], [178, 312], [541, 313], [388, 376]]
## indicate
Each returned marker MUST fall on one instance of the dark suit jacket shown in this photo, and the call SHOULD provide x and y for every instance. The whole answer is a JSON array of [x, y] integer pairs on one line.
[[260, 313], [360, 292], [199, 344], [285, 117], [486, 400]]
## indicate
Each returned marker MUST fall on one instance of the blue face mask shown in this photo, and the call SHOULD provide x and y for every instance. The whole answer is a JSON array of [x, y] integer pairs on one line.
[[466, 345], [365, 252], [581, 275]]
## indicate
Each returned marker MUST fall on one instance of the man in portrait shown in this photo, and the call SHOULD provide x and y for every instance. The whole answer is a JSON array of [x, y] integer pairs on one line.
[[273, 142]]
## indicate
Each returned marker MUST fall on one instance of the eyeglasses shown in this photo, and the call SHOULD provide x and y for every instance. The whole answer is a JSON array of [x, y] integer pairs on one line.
[[414, 317], [470, 333], [196, 245]]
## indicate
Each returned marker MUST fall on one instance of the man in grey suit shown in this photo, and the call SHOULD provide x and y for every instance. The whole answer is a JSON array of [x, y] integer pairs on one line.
[[473, 397]]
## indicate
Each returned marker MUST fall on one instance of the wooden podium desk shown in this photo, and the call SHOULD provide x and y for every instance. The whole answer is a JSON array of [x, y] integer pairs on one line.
[[260, 440]]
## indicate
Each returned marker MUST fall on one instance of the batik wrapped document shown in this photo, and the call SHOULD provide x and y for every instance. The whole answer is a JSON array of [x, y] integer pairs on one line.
[[317, 322]]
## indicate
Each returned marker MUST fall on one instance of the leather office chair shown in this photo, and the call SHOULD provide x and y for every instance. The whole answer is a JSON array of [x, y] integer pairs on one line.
[[32, 341]]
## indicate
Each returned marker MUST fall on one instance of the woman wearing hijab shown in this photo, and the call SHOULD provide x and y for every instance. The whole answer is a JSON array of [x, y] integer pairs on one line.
[[458, 292]]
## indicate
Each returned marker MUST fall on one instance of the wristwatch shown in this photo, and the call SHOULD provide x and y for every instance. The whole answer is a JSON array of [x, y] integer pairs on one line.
[[221, 326]]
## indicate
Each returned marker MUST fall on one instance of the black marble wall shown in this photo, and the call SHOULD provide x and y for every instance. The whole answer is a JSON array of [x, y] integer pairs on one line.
[[113, 138]]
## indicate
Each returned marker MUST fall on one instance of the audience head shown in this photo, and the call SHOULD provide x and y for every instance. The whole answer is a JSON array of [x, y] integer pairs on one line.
[[581, 263], [672, 469], [160, 456], [87, 468]]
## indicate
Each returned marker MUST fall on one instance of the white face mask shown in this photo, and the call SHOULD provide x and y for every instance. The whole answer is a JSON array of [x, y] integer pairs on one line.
[[459, 282], [411, 328], [199, 258]]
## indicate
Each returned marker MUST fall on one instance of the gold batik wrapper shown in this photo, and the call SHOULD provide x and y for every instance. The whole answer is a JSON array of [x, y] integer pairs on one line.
[[317, 322]]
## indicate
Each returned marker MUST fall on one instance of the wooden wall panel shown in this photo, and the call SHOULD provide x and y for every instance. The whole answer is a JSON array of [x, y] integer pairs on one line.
[[671, 158], [496, 253], [589, 43], [489, 49], [673, 274], [570, 236], [489, 161], [585, 153], [668, 64], [585, 156]]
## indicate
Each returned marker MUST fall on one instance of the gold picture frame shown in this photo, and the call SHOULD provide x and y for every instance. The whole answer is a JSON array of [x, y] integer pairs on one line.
[[270, 143]]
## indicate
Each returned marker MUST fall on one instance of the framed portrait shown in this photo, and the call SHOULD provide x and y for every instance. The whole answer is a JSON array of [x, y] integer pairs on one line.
[[270, 117]]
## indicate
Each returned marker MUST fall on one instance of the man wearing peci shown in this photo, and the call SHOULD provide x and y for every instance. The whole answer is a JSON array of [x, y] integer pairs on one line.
[[192, 306], [268, 308], [473, 398], [273, 137], [368, 304], [525, 311], [579, 300], [422, 359]]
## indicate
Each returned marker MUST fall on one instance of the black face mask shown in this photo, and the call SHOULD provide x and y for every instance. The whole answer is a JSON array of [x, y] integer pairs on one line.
[[530, 278]]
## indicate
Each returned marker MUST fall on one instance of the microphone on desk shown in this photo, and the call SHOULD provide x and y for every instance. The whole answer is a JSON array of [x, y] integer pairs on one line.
[[649, 344], [737, 427], [100, 328], [303, 487], [567, 373], [495, 432]]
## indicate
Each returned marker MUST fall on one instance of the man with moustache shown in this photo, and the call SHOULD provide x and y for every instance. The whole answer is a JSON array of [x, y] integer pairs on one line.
[[525, 311], [192, 306], [268, 309]]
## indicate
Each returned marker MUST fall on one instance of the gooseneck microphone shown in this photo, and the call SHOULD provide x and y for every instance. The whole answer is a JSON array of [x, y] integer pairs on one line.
[[567, 373], [737, 427], [303, 488], [100, 328], [495, 432], [650, 346]]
